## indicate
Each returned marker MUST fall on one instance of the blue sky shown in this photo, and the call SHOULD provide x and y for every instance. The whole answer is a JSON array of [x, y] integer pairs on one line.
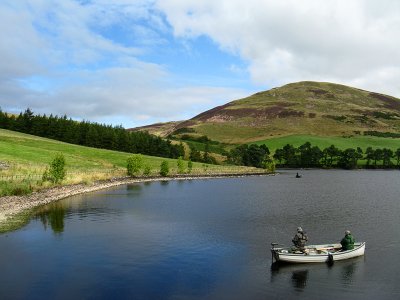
[[137, 62]]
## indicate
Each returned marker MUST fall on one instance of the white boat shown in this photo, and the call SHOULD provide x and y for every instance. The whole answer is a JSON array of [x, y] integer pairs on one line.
[[316, 253]]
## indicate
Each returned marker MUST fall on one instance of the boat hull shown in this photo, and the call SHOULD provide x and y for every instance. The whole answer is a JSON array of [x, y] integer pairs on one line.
[[327, 254]]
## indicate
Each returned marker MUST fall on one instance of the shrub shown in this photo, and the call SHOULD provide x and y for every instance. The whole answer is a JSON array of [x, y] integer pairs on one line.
[[56, 171], [146, 170], [181, 167], [336, 118], [164, 168], [269, 165], [382, 134], [21, 190], [189, 166], [134, 164]]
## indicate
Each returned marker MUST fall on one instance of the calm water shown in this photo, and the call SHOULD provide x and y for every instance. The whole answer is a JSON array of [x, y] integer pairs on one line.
[[209, 239]]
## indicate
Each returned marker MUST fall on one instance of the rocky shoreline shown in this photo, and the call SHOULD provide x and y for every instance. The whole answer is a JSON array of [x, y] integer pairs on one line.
[[10, 206]]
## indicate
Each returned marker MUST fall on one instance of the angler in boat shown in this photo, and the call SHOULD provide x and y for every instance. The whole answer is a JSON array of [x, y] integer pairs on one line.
[[301, 253], [348, 241], [299, 240]]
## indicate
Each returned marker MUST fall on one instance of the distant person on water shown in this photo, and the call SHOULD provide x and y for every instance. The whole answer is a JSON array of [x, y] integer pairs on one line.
[[348, 241], [300, 239]]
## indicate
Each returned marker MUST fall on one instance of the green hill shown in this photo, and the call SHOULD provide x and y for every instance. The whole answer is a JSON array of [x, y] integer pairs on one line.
[[303, 108], [23, 159]]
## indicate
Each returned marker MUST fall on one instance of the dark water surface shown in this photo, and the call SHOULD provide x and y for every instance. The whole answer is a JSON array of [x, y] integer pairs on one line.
[[209, 239]]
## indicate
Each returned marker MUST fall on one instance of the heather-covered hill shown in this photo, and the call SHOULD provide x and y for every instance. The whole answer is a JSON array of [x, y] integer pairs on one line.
[[302, 108]]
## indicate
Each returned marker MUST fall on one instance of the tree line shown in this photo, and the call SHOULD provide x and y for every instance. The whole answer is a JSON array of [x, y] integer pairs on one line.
[[309, 156], [205, 157], [89, 134], [252, 156]]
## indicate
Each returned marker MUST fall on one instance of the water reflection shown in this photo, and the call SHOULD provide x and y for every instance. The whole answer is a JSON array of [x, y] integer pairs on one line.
[[134, 187], [53, 215], [348, 271], [299, 279], [300, 275]]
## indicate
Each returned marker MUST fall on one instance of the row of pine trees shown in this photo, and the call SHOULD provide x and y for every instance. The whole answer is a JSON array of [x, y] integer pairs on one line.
[[89, 134]]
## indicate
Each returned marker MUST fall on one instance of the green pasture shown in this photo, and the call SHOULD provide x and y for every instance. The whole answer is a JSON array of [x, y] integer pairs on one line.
[[340, 142], [33, 154], [214, 148], [34, 151]]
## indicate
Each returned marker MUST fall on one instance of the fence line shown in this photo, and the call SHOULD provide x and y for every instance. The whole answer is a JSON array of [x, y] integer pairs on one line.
[[36, 176], [20, 177], [122, 172]]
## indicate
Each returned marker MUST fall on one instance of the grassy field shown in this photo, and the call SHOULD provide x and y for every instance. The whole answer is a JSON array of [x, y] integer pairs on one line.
[[340, 142], [322, 142], [214, 148], [26, 157]]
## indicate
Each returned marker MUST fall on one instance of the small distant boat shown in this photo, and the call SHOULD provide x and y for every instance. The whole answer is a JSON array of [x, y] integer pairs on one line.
[[316, 253], [298, 175]]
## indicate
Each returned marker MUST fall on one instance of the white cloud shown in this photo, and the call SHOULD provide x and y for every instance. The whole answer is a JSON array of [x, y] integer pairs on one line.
[[140, 94], [56, 60], [284, 41], [18, 45], [57, 57]]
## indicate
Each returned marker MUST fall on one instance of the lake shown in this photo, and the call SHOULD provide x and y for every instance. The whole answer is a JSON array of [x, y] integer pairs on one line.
[[209, 239]]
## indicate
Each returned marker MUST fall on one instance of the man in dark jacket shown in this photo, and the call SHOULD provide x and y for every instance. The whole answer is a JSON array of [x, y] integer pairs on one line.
[[348, 241], [300, 239]]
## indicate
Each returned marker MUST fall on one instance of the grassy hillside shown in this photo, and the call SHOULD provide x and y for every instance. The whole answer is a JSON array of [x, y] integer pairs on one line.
[[311, 108], [24, 158], [302, 108], [159, 129], [340, 142]]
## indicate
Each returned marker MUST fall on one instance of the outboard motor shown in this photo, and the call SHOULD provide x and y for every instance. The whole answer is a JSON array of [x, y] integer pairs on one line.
[[330, 259], [274, 254]]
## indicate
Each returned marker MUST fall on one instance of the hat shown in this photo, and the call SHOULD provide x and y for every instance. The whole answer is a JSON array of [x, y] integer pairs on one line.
[[299, 229], [347, 232]]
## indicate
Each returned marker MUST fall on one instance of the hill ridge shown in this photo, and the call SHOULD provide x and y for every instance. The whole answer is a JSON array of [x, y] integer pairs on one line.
[[305, 107]]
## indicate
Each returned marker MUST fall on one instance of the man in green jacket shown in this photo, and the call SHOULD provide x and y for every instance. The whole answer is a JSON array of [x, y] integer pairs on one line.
[[348, 241]]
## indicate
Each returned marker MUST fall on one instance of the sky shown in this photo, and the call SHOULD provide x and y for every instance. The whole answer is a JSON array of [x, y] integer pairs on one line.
[[138, 62]]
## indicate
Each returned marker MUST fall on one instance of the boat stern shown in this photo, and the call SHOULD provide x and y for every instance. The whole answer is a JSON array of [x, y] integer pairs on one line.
[[275, 251]]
